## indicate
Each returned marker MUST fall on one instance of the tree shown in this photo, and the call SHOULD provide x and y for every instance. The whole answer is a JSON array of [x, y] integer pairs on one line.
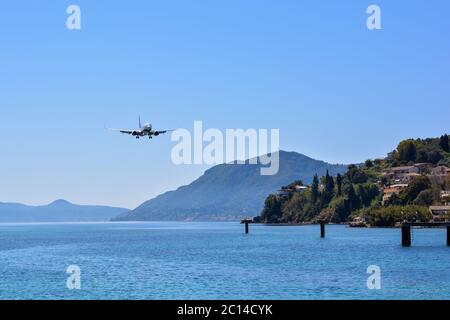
[[367, 193], [339, 184], [315, 189], [363, 195], [422, 156], [444, 143], [435, 156], [297, 208], [410, 193], [407, 151], [373, 191], [337, 211], [353, 199], [329, 189], [272, 209], [425, 198], [356, 175], [388, 216], [394, 200], [369, 163], [329, 182]]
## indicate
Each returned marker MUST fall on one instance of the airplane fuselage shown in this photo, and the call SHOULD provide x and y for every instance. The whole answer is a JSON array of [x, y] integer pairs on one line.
[[146, 130]]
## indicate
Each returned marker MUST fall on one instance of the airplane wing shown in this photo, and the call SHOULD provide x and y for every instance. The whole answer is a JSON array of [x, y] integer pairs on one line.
[[163, 131], [126, 131], [123, 131]]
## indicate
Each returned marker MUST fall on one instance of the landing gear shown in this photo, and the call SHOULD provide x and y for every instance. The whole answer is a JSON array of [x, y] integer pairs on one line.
[[137, 137]]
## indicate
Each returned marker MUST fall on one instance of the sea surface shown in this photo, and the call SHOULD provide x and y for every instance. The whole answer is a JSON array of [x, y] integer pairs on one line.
[[180, 260]]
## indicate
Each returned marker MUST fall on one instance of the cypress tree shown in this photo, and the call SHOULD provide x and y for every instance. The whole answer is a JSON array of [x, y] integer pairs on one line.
[[315, 189], [329, 189], [339, 184], [444, 143], [353, 199]]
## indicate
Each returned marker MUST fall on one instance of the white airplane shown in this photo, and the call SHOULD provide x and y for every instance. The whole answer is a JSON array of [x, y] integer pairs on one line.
[[146, 130]]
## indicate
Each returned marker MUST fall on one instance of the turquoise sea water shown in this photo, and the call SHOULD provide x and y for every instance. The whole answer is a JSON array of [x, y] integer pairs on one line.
[[176, 260]]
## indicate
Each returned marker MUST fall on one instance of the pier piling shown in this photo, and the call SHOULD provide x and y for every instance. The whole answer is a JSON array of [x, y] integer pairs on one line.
[[322, 229], [246, 222], [406, 230], [406, 236], [448, 236]]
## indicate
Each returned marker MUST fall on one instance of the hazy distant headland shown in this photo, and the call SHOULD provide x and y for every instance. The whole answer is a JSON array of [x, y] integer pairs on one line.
[[57, 211]]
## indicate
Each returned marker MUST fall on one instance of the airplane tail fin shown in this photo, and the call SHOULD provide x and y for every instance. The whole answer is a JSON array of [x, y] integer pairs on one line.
[[140, 125]]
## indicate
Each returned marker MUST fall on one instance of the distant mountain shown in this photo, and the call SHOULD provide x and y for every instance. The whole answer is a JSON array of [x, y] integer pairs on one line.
[[58, 211], [229, 191]]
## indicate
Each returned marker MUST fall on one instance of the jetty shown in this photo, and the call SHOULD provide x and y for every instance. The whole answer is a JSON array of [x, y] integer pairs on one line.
[[406, 230], [246, 222]]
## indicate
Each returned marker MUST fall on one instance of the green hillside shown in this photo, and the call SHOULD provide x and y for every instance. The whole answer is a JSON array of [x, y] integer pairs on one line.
[[359, 191]]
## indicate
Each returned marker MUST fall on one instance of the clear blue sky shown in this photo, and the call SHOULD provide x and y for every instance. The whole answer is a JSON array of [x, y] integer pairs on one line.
[[337, 91]]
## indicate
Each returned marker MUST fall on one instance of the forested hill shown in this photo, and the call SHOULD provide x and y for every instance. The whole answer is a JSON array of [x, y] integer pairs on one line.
[[229, 191], [381, 192]]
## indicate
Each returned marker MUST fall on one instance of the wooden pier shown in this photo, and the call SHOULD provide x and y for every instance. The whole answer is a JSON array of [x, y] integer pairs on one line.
[[246, 222], [406, 230]]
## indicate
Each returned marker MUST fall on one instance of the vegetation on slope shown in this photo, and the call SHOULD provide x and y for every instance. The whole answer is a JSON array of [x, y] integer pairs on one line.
[[359, 191]]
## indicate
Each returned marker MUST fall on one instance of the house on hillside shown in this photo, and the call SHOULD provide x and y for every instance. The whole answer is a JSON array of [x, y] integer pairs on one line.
[[440, 174], [400, 174], [287, 192], [440, 170], [410, 177], [445, 197], [391, 190], [440, 213], [424, 168]]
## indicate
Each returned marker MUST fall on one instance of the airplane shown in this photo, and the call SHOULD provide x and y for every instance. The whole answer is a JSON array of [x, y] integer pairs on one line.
[[146, 130]]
